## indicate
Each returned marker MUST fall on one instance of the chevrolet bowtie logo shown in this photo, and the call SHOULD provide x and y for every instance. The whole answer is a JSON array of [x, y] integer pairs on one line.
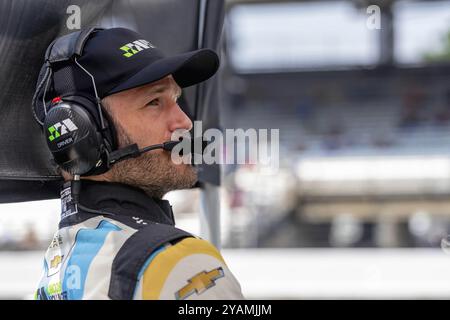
[[199, 283], [55, 261]]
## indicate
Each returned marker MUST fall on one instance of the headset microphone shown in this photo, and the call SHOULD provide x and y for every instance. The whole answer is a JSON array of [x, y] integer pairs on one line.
[[133, 150]]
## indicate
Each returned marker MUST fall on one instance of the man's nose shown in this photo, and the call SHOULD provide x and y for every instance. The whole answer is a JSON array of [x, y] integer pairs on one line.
[[180, 120]]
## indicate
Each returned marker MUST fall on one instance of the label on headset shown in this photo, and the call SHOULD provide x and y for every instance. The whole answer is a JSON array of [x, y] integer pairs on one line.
[[67, 207], [61, 128], [64, 143]]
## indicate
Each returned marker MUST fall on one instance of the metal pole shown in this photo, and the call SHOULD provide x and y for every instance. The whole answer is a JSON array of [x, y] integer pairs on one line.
[[210, 214], [386, 36], [209, 194]]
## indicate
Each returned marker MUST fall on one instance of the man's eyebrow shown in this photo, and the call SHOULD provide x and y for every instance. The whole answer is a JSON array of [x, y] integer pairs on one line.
[[163, 87]]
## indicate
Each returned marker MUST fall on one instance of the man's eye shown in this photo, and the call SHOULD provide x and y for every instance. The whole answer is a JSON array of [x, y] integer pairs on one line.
[[154, 102]]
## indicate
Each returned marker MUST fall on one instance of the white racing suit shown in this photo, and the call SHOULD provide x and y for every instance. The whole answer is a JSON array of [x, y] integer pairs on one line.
[[132, 251]]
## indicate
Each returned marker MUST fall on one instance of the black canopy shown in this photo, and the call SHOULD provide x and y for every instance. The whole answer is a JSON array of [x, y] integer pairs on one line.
[[28, 27]]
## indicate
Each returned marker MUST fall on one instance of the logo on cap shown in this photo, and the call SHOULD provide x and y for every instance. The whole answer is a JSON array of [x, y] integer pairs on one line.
[[136, 46]]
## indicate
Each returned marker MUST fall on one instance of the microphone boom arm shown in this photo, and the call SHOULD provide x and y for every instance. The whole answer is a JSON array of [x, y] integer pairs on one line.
[[133, 151]]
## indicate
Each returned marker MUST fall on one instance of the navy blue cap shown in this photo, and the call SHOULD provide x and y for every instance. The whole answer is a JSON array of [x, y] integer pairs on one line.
[[120, 59]]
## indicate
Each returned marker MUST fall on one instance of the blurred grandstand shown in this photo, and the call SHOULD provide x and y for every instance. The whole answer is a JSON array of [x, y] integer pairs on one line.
[[364, 118]]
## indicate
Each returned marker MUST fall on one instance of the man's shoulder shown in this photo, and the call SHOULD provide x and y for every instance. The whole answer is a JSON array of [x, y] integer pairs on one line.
[[191, 268], [189, 246], [144, 239]]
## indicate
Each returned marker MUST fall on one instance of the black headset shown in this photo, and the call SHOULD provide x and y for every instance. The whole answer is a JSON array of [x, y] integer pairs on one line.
[[79, 133]]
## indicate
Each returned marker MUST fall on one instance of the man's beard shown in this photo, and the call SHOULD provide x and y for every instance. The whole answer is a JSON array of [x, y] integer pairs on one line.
[[153, 171]]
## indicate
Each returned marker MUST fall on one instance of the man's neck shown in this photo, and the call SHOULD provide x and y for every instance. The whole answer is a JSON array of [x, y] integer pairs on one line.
[[151, 190]]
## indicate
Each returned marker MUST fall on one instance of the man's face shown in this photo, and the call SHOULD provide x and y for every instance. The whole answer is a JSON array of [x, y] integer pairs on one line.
[[149, 115]]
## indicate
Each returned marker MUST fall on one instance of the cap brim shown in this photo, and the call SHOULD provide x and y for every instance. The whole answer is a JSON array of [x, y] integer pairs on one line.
[[187, 69]]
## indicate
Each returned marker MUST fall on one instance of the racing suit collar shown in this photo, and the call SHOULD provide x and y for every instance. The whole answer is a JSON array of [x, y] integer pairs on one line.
[[122, 199]]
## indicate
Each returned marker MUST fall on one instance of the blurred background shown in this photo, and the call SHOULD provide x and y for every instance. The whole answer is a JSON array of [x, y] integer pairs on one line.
[[360, 206]]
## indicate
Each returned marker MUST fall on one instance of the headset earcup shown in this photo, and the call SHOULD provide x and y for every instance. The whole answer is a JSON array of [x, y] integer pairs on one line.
[[91, 106], [73, 138]]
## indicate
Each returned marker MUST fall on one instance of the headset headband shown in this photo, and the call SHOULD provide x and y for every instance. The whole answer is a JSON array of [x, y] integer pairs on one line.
[[68, 46], [61, 49]]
